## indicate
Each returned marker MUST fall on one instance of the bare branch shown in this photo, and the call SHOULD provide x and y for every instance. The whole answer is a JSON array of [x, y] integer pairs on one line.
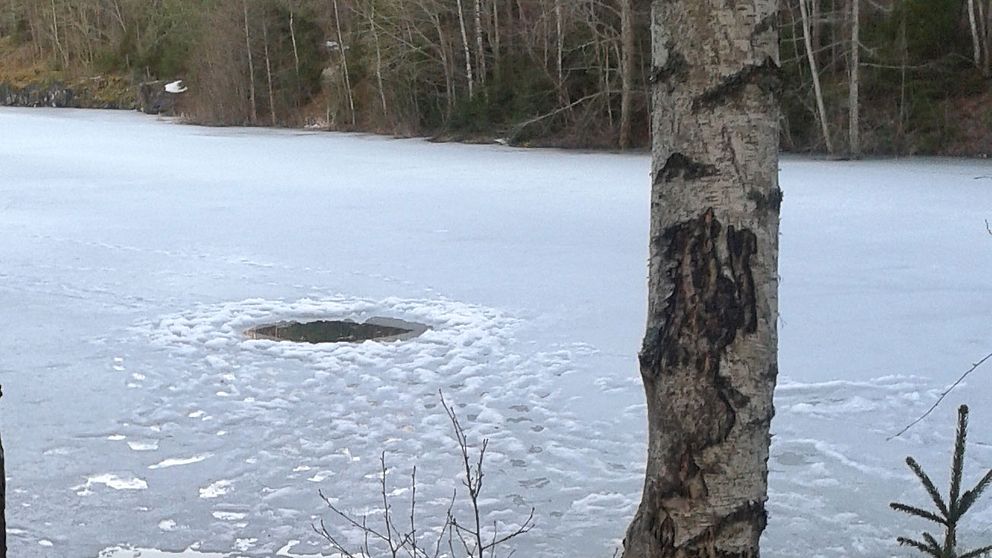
[[941, 398]]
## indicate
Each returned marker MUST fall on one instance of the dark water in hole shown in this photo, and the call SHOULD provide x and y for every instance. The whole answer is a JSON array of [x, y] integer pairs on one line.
[[328, 332]]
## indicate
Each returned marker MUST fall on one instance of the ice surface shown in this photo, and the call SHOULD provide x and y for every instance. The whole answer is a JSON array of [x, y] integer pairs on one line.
[[134, 253]]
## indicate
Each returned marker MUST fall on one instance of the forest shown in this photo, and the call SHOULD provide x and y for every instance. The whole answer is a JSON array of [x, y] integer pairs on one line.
[[892, 77]]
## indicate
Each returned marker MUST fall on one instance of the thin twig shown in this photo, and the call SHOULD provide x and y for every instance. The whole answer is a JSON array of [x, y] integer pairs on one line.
[[941, 398]]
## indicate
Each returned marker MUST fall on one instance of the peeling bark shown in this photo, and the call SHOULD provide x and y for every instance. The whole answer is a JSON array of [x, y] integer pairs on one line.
[[708, 361]]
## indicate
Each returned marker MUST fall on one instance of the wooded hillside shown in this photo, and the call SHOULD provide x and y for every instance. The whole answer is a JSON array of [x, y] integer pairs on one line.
[[546, 72]]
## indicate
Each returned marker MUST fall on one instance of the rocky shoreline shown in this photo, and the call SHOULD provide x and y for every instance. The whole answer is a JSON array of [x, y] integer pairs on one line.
[[93, 93]]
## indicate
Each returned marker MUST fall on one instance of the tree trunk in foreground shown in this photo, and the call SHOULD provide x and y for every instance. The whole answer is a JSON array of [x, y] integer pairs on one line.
[[3, 501], [709, 361]]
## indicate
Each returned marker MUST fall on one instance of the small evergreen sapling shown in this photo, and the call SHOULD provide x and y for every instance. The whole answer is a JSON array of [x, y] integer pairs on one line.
[[948, 514]]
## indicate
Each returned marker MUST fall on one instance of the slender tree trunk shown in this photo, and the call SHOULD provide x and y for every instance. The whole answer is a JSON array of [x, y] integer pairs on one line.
[[817, 91], [709, 360], [854, 94], [560, 47], [468, 51], [378, 61], [983, 34], [480, 49], [976, 44], [816, 27], [903, 109], [344, 62], [497, 40], [627, 70], [292, 37], [251, 67], [987, 38], [449, 79], [268, 72], [59, 47]]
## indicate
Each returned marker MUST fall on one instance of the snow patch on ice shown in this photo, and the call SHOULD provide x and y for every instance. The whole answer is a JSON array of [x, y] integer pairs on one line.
[[110, 481], [216, 489], [180, 461]]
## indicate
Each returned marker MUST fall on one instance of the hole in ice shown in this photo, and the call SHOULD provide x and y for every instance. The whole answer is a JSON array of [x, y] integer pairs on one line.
[[333, 331]]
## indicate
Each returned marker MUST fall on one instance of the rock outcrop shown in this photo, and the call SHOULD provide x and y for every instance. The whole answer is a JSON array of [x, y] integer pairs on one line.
[[54, 95], [155, 97], [111, 92]]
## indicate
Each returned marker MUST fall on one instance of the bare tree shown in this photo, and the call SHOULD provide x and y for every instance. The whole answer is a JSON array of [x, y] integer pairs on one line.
[[709, 360], [344, 61], [468, 52], [480, 52], [815, 73], [627, 70], [268, 72], [467, 538], [378, 59], [976, 42], [251, 66], [854, 92]]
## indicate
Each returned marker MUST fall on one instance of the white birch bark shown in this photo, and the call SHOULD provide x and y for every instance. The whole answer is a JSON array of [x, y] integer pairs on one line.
[[975, 41], [468, 51]]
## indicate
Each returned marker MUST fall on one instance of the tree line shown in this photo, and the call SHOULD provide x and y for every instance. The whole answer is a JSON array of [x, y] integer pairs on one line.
[[886, 76]]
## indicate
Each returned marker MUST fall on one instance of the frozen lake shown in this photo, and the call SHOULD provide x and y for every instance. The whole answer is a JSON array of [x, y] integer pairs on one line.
[[135, 252]]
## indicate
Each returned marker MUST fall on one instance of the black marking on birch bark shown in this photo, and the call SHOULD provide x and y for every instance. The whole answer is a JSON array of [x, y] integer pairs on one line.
[[766, 75], [746, 514], [675, 66], [764, 203], [678, 165], [713, 301]]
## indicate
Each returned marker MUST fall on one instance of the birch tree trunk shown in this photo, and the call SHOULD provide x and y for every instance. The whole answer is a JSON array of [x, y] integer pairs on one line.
[[468, 51], [292, 37], [480, 49], [709, 360], [975, 41], [344, 62], [560, 47], [3, 501], [854, 123], [627, 70], [817, 90], [268, 73], [251, 67], [378, 60]]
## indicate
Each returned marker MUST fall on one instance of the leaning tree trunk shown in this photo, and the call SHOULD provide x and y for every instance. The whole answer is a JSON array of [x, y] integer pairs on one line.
[[815, 73], [709, 360]]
